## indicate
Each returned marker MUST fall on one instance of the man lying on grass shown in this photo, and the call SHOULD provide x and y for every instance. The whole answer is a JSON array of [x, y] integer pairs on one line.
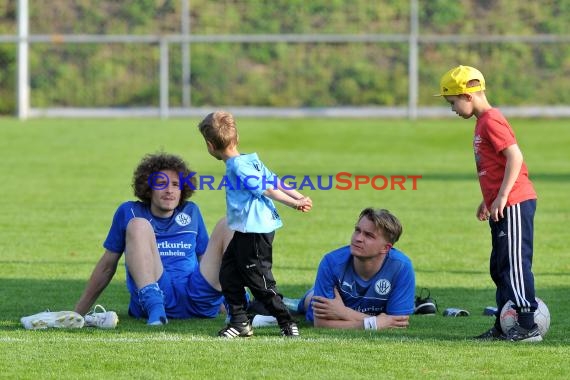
[[368, 284]]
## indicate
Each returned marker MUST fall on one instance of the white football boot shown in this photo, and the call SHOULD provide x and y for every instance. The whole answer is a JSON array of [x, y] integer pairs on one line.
[[55, 319], [101, 318]]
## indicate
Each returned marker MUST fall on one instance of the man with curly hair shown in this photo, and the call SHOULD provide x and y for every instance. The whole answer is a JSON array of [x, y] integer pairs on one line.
[[172, 267]]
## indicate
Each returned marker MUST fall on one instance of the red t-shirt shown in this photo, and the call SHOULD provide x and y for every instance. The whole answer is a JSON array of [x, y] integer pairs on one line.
[[492, 135]]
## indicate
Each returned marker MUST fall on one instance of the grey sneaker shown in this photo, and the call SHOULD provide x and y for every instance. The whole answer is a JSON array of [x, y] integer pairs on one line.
[[290, 330], [55, 319], [101, 318], [492, 334], [517, 333], [236, 330]]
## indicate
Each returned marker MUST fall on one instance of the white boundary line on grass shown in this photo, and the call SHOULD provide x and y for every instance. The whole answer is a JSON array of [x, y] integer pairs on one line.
[[177, 338]]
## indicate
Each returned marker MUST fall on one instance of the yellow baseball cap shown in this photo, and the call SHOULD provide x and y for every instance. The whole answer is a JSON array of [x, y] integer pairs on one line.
[[454, 82]]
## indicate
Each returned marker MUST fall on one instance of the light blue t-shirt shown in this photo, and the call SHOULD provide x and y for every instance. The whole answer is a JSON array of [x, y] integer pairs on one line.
[[248, 210], [389, 291], [180, 238]]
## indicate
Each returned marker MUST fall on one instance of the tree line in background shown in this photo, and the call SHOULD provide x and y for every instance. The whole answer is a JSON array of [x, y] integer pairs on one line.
[[285, 74]]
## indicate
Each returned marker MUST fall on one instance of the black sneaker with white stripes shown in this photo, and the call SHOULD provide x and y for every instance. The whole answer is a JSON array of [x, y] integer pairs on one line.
[[290, 330], [236, 330]]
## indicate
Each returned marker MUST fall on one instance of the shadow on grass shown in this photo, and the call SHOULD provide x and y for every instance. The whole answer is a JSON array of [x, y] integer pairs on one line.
[[21, 297], [24, 297], [438, 327]]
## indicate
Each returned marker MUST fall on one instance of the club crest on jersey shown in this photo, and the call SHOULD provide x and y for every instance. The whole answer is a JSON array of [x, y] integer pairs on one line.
[[183, 219], [382, 287]]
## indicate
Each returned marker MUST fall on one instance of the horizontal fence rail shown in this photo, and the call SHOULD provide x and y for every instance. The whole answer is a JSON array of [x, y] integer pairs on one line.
[[413, 40]]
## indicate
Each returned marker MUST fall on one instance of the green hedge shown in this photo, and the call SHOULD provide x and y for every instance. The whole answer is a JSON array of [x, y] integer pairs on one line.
[[291, 75]]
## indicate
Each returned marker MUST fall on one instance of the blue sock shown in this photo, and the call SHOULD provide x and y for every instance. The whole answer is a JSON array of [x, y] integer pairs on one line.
[[301, 306], [152, 301], [247, 299], [294, 305]]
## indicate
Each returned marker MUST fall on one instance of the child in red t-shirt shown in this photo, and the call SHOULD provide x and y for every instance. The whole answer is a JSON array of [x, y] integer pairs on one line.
[[509, 200]]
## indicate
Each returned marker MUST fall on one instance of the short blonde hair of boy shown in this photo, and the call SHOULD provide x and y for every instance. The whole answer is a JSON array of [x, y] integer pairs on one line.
[[219, 128]]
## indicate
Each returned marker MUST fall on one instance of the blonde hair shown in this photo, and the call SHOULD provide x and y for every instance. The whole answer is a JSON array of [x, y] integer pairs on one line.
[[219, 128], [385, 222]]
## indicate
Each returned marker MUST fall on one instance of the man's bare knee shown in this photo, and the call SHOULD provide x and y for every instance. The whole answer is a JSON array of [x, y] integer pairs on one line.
[[140, 240], [139, 227], [222, 235], [212, 258]]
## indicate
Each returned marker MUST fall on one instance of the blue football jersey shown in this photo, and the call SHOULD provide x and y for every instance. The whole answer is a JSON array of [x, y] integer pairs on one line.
[[389, 291], [180, 238], [248, 210]]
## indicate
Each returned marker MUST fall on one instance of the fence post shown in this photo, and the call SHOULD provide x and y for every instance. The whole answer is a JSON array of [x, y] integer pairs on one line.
[[185, 29], [413, 76], [23, 85], [163, 78]]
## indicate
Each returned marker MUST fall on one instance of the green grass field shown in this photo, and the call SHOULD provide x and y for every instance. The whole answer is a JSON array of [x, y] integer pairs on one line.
[[63, 179]]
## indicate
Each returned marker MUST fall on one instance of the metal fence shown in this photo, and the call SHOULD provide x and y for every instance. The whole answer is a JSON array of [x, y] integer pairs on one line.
[[172, 94]]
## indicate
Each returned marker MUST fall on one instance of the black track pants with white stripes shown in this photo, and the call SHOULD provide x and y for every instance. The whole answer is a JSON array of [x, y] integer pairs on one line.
[[511, 256]]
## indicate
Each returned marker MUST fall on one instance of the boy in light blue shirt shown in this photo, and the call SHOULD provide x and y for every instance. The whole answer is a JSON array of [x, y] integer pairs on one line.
[[248, 210], [251, 214]]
